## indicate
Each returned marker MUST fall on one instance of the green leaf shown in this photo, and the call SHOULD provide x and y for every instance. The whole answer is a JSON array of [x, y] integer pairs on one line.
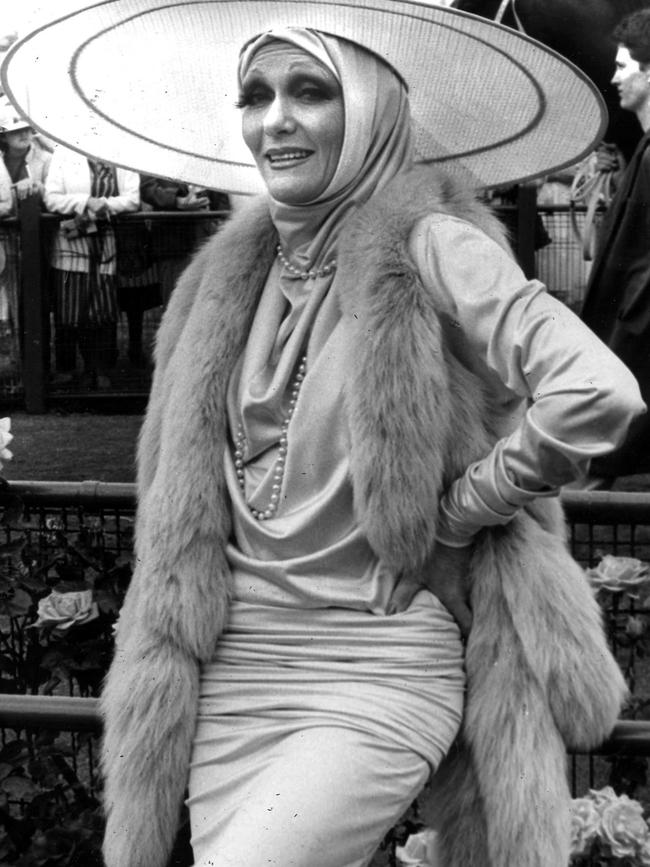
[[13, 511], [13, 546], [7, 664], [19, 788], [19, 603], [107, 601], [14, 752], [33, 583]]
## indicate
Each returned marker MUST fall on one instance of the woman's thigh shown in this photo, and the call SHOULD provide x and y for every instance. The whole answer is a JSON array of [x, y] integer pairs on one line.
[[319, 797]]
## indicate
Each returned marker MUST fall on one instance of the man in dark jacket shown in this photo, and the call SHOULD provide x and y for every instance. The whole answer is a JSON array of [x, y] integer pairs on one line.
[[617, 303]]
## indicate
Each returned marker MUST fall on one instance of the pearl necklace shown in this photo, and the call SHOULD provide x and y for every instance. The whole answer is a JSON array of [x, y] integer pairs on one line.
[[283, 445], [305, 275]]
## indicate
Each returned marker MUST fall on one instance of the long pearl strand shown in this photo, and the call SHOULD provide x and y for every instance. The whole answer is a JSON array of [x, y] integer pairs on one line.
[[305, 275], [283, 445]]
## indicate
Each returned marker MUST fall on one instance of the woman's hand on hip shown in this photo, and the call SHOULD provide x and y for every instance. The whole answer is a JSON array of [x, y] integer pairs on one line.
[[446, 575]]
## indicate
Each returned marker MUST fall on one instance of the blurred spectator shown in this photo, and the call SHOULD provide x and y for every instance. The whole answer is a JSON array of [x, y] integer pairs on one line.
[[6, 203], [26, 165], [25, 158], [84, 261], [617, 303], [173, 243], [7, 360], [138, 282]]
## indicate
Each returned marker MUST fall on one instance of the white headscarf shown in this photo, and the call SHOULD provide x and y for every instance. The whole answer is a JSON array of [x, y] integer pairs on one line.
[[377, 142], [376, 146]]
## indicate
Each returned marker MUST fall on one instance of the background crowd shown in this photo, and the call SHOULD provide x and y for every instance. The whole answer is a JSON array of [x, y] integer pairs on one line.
[[98, 269]]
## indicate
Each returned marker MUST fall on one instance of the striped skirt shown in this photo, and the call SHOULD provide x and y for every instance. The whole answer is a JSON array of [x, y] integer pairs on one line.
[[84, 299]]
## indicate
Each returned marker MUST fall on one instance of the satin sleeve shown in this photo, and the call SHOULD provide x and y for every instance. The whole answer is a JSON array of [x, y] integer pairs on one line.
[[578, 397]]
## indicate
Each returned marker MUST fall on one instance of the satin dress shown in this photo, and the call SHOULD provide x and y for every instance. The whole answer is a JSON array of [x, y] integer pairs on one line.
[[322, 715]]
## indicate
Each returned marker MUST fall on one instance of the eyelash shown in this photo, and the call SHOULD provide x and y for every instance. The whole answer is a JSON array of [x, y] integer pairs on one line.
[[251, 98], [245, 100]]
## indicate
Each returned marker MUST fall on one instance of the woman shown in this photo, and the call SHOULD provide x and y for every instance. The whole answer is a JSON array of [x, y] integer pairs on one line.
[[360, 415], [83, 260], [334, 661]]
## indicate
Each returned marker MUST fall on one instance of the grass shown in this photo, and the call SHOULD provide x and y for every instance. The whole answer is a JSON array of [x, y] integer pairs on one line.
[[73, 448]]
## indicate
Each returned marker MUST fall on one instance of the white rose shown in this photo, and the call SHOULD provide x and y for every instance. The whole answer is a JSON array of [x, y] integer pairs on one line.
[[5, 438], [63, 610], [644, 853], [585, 824], [602, 797], [420, 850], [623, 826], [617, 574]]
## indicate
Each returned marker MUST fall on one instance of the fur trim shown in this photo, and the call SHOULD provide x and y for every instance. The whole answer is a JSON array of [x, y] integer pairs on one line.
[[537, 641], [399, 328], [177, 603], [539, 671]]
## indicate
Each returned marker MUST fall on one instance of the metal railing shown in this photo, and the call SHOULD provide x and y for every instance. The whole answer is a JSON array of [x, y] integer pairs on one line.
[[28, 235], [618, 522]]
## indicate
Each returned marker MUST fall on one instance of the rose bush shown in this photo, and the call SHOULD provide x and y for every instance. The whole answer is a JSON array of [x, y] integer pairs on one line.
[[62, 582], [609, 829]]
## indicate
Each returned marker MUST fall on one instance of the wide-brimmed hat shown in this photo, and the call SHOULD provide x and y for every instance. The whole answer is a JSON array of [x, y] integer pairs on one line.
[[151, 85], [10, 120]]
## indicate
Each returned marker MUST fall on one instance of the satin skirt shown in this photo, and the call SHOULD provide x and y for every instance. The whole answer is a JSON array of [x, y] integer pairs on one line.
[[316, 730]]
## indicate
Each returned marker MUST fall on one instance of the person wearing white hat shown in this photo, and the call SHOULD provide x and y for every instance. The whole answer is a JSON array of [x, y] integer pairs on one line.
[[26, 161], [351, 571]]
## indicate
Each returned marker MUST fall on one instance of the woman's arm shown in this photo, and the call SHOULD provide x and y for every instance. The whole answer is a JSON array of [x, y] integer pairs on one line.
[[523, 342], [128, 198], [57, 196]]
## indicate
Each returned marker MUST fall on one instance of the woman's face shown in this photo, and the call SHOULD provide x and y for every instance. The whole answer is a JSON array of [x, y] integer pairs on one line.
[[293, 122]]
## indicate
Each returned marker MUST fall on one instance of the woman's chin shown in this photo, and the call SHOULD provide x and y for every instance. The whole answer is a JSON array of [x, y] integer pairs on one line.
[[293, 188]]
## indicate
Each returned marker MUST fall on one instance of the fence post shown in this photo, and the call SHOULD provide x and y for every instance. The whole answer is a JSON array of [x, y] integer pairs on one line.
[[526, 217], [33, 303]]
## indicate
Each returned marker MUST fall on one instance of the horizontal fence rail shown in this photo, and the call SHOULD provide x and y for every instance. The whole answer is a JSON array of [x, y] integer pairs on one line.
[[51, 712], [606, 507], [70, 713], [90, 495]]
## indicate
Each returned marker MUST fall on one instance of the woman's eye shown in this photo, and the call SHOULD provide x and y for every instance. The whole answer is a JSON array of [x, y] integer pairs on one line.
[[312, 93], [254, 97]]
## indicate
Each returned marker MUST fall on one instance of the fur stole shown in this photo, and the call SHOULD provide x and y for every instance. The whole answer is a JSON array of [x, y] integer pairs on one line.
[[540, 676]]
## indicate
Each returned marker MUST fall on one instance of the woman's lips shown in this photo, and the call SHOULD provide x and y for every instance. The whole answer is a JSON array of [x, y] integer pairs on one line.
[[280, 159]]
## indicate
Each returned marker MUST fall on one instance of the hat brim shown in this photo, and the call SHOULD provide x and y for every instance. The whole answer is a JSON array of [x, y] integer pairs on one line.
[[14, 128], [151, 85]]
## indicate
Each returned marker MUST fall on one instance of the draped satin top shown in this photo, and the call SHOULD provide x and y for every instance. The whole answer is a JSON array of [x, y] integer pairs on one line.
[[548, 376]]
